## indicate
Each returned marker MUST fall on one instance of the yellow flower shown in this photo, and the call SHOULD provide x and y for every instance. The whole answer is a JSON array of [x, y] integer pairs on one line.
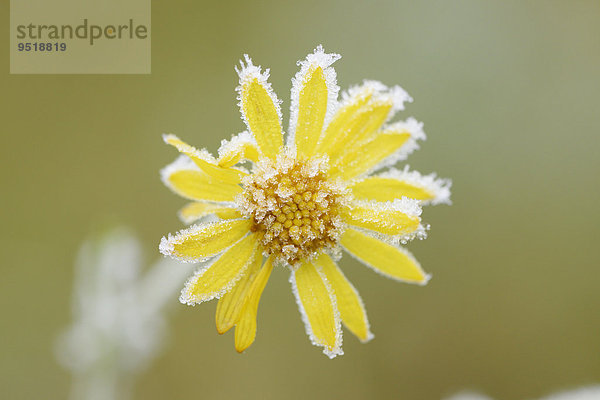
[[301, 202]]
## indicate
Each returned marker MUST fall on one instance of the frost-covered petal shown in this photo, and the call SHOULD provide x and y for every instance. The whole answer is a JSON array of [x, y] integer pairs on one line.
[[231, 303], [317, 304], [314, 95], [219, 277], [200, 242], [362, 112], [206, 162], [260, 108], [240, 148], [192, 212], [187, 180], [391, 261], [245, 329], [386, 148], [352, 310], [396, 218], [395, 183]]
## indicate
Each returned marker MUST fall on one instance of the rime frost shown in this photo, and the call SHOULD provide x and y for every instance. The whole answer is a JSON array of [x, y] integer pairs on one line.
[[337, 349], [316, 59], [439, 187], [235, 146], [294, 206], [248, 72]]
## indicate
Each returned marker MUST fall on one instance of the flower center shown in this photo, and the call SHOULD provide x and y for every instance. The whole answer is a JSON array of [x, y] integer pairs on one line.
[[295, 208]]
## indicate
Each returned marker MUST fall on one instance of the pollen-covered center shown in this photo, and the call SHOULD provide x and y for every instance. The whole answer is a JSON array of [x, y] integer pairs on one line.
[[295, 208]]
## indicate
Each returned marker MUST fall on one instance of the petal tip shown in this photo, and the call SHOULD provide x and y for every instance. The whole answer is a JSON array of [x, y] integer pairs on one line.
[[425, 280], [370, 336], [333, 352], [221, 329], [166, 246]]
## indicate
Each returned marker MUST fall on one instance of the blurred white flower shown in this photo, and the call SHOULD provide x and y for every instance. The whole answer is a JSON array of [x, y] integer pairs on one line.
[[118, 315], [468, 396], [584, 393]]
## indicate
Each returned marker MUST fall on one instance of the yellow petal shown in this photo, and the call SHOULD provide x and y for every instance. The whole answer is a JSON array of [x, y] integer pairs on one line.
[[196, 185], [311, 112], [362, 128], [218, 278], [194, 211], [384, 189], [349, 302], [260, 109], [391, 261], [245, 329], [205, 162], [184, 178], [394, 184], [240, 148], [362, 112], [390, 145], [316, 302], [343, 123], [314, 98], [230, 305], [221, 174], [200, 242], [371, 154], [399, 217]]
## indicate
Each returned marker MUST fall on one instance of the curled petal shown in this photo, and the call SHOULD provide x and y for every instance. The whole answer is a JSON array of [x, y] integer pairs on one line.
[[206, 162], [240, 148], [232, 302], [245, 329]]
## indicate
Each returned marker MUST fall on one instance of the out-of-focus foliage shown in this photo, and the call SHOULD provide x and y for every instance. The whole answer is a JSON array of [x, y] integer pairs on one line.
[[118, 316]]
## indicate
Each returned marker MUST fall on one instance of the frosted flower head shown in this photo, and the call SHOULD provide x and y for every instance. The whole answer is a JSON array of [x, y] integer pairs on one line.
[[302, 201], [295, 208]]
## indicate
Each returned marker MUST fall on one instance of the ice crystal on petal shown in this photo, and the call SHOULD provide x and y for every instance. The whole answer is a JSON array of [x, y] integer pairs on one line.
[[415, 129], [247, 73], [294, 206], [439, 187], [316, 59], [337, 349], [181, 163]]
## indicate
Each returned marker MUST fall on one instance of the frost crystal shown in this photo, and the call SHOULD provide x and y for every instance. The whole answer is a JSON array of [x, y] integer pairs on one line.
[[317, 59], [438, 187], [295, 208]]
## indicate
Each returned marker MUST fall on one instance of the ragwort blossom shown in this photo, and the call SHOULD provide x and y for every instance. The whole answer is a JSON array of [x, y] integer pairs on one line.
[[297, 203]]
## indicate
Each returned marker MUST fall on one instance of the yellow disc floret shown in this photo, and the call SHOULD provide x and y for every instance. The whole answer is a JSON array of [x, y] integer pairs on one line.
[[294, 207]]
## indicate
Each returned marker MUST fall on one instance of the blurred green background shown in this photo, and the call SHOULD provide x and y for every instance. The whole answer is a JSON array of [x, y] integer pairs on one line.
[[508, 92]]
